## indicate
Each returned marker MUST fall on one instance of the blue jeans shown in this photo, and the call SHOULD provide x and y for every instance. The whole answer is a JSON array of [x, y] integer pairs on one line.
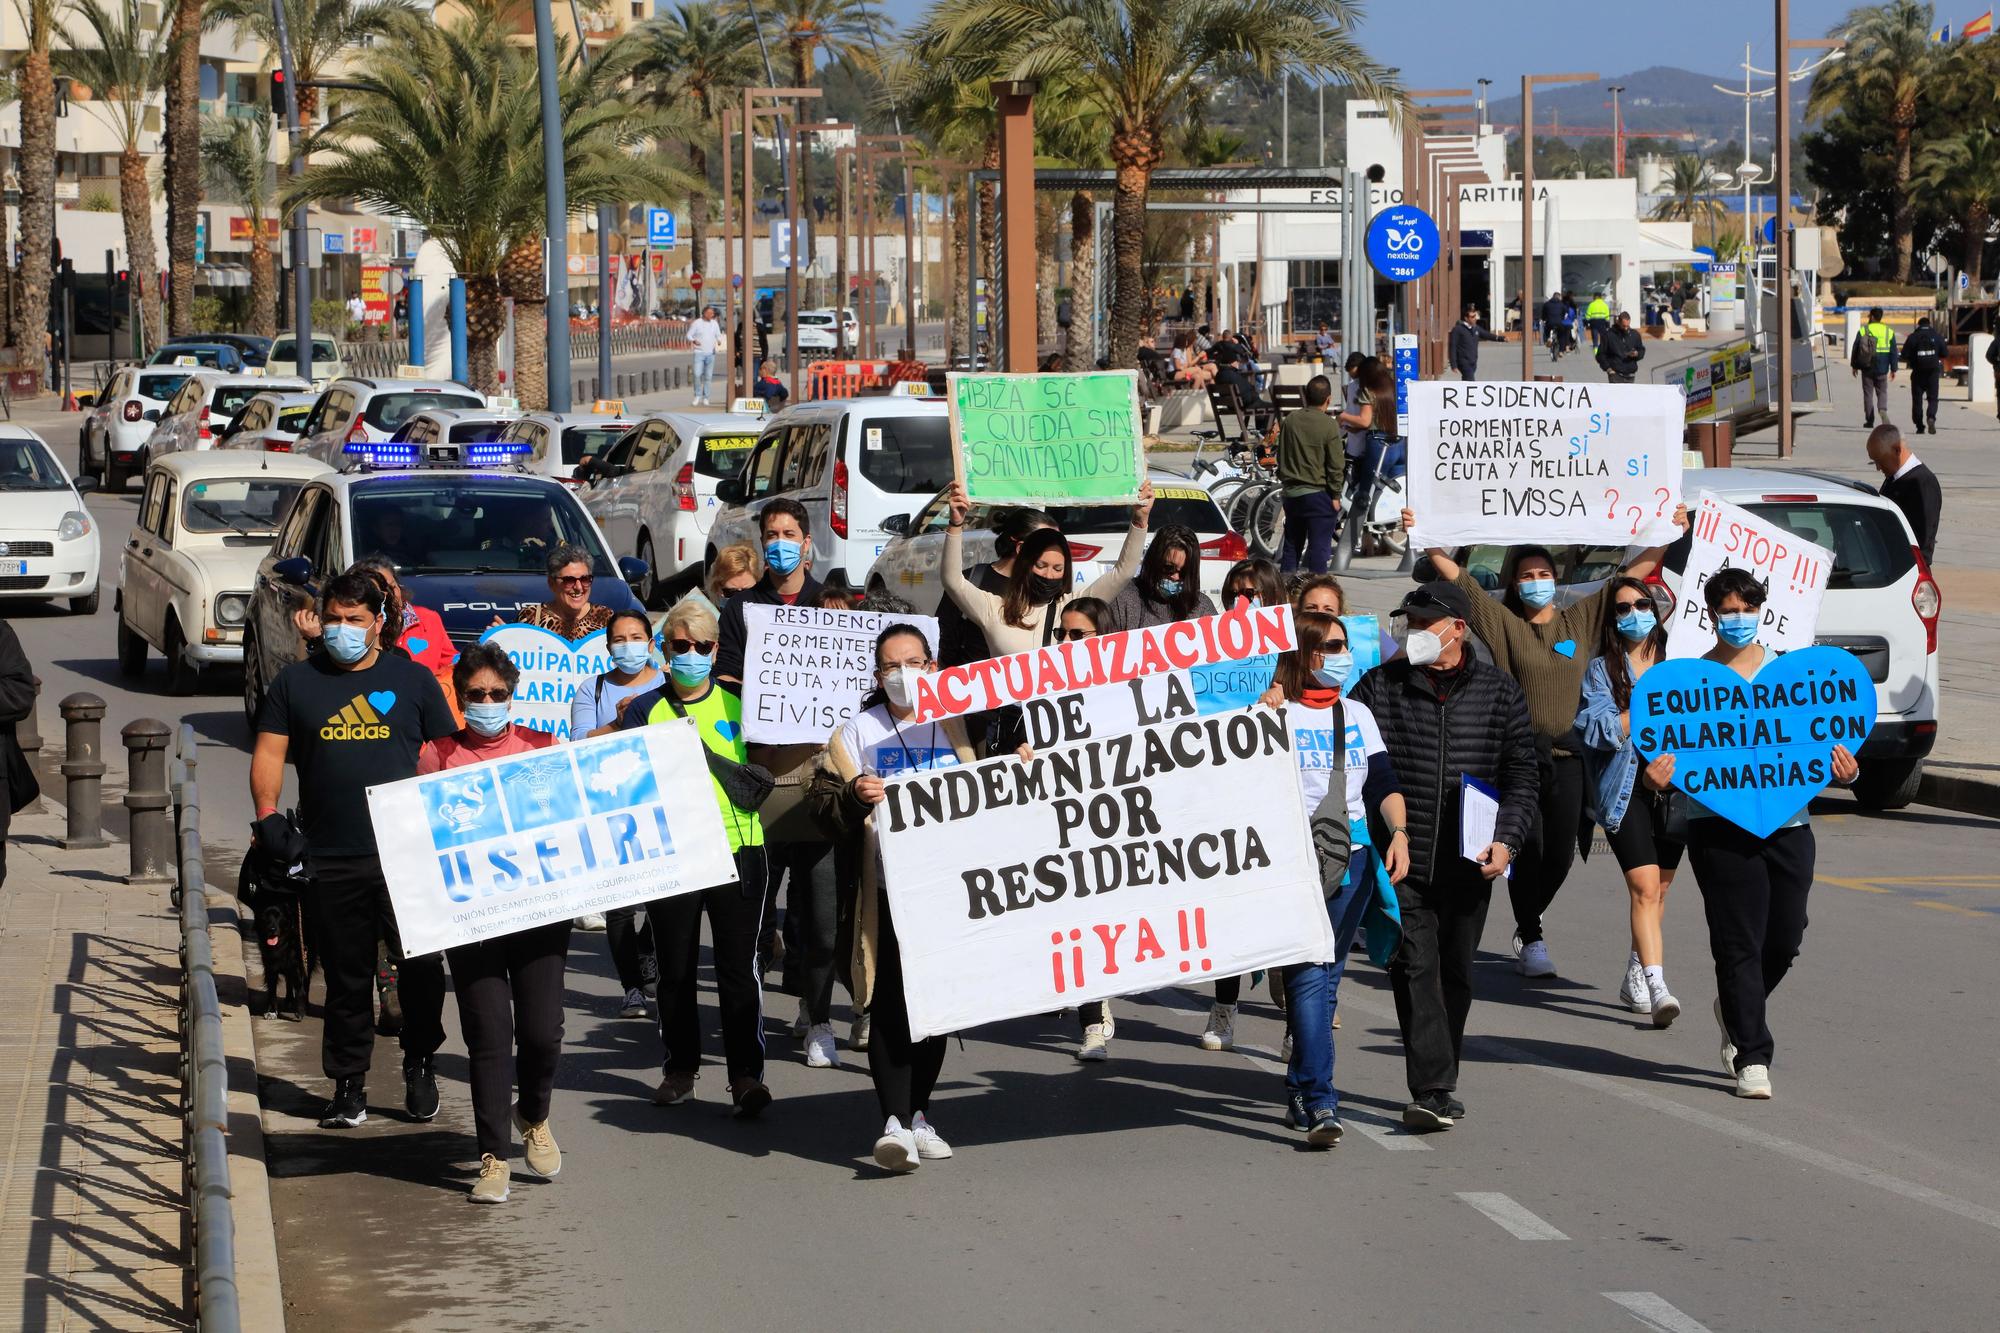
[[1313, 989], [704, 370], [1312, 523]]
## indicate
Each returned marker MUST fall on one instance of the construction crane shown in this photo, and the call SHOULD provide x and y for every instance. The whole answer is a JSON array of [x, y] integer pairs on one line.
[[1618, 132]]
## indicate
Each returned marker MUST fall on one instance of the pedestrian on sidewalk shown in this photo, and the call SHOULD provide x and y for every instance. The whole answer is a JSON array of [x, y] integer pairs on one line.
[[705, 336], [1628, 797], [1911, 485], [1620, 349], [1753, 889], [1924, 355], [1873, 359], [1597, 317], [1466, 335], [17, 701], [510, 987], [1446, 718], [348, 718], [1312, 468]]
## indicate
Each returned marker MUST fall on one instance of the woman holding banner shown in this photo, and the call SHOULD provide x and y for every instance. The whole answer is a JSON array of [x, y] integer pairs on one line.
[[594, 711], [1753, 889], [881, 741], [1344, 775], [1629, 796], [1545, 648]]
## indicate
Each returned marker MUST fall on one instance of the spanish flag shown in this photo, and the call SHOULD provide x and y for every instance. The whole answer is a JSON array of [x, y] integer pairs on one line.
[[1979, 27]]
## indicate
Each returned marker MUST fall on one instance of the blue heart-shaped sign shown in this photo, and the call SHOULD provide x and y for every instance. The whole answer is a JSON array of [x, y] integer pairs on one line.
[[1754, 751], [729, 731], [1567, 647], [416, 646], [382, 701]]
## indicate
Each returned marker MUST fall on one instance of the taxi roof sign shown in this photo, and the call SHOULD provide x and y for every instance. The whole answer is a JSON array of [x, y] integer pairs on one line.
[[608, 407], [913, 389], [755, 407]]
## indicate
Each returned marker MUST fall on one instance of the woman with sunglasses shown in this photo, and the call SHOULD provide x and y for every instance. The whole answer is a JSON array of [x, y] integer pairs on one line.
[[569, 610], [1255, 580], [1627, 795], [735, 910], [510, 988], [1331, 736], [880, 741]]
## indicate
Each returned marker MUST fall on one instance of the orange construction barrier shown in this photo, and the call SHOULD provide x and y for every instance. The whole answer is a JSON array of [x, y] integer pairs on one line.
[[844, 379]]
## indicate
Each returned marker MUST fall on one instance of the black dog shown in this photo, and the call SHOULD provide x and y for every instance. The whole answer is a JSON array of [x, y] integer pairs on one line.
[[272, 885]]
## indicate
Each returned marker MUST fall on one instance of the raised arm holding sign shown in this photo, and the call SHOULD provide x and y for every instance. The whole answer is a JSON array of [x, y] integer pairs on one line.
[[1793, 571]]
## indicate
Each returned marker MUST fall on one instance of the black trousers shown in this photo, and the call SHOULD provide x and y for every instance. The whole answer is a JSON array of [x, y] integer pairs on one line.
[[630, 937], [812, 920], [1753, 891], [1924, 399], [904, 1071], [1431, 973], [735, 914], [348, 913], [510, 1003], [1545, 862]]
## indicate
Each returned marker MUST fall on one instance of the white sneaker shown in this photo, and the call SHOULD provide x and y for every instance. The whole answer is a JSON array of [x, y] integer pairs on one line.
[[802, 1022], [1532, 960], [634, 1006], [1096, 1043], [1728, 1046], [1754, 1081], [590, 921], [1220, 1034], [1633, 993], [820, 1052], [857, 1035], [1664, 1006], [930, 1144], [896, 1150]]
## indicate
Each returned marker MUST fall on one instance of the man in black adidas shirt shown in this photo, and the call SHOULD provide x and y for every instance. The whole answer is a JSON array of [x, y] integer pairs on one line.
[[349, 717]]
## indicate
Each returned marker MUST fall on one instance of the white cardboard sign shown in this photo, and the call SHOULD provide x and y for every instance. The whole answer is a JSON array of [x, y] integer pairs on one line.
[[805, 669], [1728, 536]]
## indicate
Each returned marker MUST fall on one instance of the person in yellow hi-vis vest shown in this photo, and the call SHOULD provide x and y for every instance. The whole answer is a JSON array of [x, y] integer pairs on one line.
[[1873, 358], [1597, 318]]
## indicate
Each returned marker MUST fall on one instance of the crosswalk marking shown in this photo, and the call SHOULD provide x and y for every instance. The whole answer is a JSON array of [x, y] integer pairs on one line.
[[1516, 1220], [1654, 1312]]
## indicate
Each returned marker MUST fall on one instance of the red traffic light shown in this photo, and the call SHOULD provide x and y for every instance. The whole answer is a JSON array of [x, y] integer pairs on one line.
[[278, 91]]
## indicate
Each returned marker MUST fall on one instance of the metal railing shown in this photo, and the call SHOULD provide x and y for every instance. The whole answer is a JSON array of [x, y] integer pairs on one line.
[[204, 1068]]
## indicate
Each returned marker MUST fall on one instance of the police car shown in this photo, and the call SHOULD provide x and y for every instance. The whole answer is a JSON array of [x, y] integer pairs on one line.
[[470, 539]]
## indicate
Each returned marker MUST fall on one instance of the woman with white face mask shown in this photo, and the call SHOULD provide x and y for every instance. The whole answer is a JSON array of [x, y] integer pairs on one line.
[[883, 740], [510, 988], [1545, 648]]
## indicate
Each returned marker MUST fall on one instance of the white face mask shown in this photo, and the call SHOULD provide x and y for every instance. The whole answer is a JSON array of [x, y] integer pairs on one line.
[[901, 688], [1423, 647]]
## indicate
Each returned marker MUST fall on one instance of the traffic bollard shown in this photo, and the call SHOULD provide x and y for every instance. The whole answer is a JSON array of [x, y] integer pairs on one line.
[[83, 770], [148, 802], [28, 735]]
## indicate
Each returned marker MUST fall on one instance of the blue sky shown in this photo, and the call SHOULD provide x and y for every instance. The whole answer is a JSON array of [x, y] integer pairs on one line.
[[1501, 39]]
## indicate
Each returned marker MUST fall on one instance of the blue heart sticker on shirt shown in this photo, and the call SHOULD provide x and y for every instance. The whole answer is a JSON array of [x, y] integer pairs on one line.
[[416, 646], [1567, 647], [729, 731], [382, 701]]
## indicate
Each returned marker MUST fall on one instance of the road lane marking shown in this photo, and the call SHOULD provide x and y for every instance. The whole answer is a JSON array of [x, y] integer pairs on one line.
[[1655, 1313], [1512, 1217]]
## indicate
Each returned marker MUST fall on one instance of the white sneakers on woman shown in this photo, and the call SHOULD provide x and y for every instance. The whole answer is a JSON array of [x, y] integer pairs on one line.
[[1220, 1034], [903, 1150], [1643, 995]]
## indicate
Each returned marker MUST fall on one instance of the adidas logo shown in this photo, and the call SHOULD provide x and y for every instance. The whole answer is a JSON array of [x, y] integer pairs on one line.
[[356, 722]]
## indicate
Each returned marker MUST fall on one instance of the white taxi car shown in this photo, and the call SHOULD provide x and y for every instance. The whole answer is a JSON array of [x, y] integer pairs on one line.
[[186, 573], [558, 441], [48, 544], [268, 423], [114, 435], [205, 404]]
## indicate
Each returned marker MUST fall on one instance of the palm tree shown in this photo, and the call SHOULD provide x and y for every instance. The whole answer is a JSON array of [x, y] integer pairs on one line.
[[444, 128], [323, 33], [699, 58], [1140, 63], [1962, 174], [126, 67], [1884, 71], [183, 165], [236, 163], [1690, 192], [38, 179]]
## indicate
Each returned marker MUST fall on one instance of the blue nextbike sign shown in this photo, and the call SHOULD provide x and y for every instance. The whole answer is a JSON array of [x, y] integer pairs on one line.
[[1402, 243]]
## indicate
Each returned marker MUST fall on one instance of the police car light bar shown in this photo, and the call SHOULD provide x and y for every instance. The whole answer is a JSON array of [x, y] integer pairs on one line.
[[383, 453], [495, 454]]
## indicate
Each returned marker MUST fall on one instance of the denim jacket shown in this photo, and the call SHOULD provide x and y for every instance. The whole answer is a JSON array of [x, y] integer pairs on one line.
[[1609, 759]]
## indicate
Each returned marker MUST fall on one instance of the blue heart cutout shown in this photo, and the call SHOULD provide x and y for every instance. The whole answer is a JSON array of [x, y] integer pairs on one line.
[[1567, 647], [382, 701], [1754, 752], [416, 646], [729, 731]]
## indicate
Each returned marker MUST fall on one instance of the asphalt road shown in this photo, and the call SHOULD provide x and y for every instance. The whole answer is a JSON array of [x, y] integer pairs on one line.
[[1604, 1177]]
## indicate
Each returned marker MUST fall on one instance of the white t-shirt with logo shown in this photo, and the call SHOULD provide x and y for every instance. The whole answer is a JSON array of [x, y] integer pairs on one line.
[[1317, 753], [882, 747]]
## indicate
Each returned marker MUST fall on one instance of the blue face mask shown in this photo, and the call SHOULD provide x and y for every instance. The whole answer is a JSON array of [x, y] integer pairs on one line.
[[690, 668], [345, 644], [1334, 670], [1636, 625], [1737, 628], [1537, 593], [487, 719], [782, 555], [630, 657], [1170, 587]]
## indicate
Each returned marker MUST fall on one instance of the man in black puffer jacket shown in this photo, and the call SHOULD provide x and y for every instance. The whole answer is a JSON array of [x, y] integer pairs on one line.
[[1446, 716]]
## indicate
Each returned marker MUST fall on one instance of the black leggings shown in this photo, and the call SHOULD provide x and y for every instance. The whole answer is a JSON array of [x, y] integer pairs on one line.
[[812, 920], [734, 912], [904, 1071], [630, 936], [1753, 891], [1546, 860], [510, 1003]]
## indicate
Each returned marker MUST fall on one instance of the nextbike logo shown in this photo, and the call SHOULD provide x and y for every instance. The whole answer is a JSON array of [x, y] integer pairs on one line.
[[361, 719], [1406, 242]]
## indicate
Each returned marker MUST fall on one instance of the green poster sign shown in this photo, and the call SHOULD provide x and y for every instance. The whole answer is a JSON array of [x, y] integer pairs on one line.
[[1048, 439]]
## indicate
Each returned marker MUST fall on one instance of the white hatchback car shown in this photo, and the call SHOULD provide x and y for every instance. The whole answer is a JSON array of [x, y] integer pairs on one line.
[[359, 410], [114, 435], [910, 566], [268, 423], [558, 441], [186, 573], [326, 363], [653, 492], [207, 402], [48, 543], [819, 335]]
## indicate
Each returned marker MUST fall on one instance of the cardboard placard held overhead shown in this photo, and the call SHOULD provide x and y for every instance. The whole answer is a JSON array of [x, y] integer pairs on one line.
[[1794, 572], [1048, 439]]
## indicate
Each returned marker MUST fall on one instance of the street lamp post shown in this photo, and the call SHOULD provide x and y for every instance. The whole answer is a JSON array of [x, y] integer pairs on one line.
[[555, 208], [301, 241], [1617, 132], [1528, 85], [1786, 237]]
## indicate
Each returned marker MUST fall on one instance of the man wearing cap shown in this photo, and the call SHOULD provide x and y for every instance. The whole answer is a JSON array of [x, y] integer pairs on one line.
[[1446, 718]]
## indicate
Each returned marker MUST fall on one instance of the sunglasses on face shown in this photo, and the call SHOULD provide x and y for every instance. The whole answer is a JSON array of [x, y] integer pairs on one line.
[[499, 696], [1331, 646], [702, 646], [572, 580], [1070, 635], [1641, 604]]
